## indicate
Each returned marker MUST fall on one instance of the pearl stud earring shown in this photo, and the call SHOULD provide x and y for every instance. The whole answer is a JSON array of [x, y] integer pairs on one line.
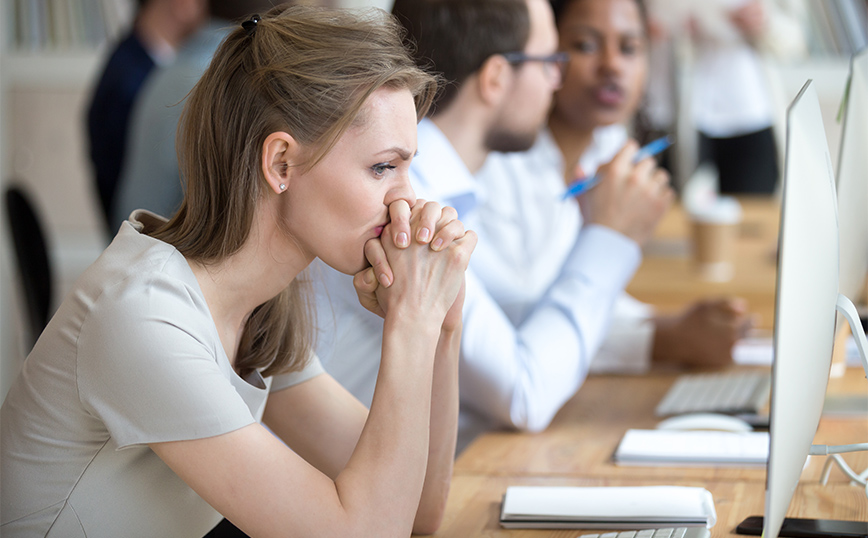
[[283, 186]]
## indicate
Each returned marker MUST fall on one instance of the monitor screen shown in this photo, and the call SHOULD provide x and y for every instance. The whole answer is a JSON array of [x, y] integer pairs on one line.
[[807, 291], [853, 182]]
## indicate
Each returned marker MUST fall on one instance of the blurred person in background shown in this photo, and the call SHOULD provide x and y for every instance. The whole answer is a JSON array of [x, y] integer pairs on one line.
[[159, 29], [527, 229], [729, 93], [150, 177]]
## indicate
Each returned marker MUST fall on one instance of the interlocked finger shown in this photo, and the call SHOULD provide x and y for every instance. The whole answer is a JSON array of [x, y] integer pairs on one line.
[[399, 217]]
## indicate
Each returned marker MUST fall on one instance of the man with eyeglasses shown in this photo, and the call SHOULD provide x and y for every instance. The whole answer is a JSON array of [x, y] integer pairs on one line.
[[501, 66]]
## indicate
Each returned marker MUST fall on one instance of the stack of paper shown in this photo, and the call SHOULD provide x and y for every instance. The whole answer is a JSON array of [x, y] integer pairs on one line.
[[644, 507], [676, 448], [760, 351]]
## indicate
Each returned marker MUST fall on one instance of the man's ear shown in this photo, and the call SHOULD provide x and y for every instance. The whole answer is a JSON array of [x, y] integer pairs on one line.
[[494, 79], [279, 153]]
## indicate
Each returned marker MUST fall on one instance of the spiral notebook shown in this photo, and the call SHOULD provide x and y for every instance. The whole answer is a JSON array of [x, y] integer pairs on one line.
[[642, 507]]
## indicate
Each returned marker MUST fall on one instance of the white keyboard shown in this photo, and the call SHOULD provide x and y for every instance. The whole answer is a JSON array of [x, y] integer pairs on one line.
[[731, 392], [678, 532]]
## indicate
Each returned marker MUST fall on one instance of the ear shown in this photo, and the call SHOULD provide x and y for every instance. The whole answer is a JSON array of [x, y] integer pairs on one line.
[[494, 79], [279, 152]]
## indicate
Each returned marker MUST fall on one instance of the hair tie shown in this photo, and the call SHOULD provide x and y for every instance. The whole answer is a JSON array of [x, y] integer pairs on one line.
[[250, 24]]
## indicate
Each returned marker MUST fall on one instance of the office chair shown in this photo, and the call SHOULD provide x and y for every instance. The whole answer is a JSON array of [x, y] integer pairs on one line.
[[32, 260]]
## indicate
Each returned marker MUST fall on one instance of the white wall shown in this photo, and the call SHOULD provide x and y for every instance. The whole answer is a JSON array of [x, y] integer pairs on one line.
[[42, 100]]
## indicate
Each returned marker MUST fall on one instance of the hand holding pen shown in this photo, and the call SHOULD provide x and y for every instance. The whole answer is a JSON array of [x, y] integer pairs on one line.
[[582, 185], [631, 196]]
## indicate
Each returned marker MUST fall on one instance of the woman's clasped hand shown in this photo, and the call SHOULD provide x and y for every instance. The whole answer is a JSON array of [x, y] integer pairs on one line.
[[418, 263]]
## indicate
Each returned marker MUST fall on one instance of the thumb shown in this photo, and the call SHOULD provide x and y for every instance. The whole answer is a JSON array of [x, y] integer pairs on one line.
[[578, 172], [365, 283]]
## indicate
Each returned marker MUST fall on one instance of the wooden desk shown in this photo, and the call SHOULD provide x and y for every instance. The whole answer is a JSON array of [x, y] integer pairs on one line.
[[667, 277], [583, 436], [576, 451], [474, 504]]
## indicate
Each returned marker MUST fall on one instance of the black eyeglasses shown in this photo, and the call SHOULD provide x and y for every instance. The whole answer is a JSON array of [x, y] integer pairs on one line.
[[553, 64]]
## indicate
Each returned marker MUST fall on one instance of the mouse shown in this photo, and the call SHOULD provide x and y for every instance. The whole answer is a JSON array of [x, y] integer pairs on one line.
[[705, 421]]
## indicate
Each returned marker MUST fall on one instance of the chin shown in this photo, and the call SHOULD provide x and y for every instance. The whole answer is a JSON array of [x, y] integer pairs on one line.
[[347, 266], [606, 117], [510, 142], [350, 268], [356, 268]]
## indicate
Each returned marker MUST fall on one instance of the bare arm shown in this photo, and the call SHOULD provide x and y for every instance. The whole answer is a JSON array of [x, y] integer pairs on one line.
[[444, 396], [251, 478], [320, 420], [444, 430], [267, 490]]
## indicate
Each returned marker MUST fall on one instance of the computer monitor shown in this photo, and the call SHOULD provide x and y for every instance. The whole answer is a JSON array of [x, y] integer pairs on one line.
[[853, 183], [807, 292]]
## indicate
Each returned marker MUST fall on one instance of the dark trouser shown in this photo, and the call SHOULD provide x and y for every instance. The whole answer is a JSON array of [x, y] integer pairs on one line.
[[747, 164]]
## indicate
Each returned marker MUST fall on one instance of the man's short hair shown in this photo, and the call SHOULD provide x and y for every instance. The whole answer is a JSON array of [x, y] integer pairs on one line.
[[455, 37]]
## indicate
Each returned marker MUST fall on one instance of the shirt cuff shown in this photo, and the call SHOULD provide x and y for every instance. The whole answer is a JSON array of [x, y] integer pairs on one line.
[[602, 255], [628, 344]]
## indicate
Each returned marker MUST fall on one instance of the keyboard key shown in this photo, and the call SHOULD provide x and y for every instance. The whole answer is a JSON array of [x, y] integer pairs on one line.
[[720, 392], [679, 532]]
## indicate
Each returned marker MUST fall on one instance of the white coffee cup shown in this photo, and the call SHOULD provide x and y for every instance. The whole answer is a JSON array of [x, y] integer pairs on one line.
[[714, 229]]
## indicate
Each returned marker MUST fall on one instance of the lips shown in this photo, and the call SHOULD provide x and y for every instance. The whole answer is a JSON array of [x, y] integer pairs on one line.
[[611, 95]]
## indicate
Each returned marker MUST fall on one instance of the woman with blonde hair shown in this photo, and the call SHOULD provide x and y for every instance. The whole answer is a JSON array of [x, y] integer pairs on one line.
[[138, 411]]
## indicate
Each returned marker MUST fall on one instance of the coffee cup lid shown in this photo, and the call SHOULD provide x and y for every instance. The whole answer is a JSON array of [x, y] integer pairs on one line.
[[723, 210]]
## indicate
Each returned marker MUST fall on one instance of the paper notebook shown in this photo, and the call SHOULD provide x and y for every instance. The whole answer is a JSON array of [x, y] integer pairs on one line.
[[644, 507], [678, 448], [760, 351]]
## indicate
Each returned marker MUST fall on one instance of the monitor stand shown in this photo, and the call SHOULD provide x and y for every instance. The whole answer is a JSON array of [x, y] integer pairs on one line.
[[847, 309], [808, 528]]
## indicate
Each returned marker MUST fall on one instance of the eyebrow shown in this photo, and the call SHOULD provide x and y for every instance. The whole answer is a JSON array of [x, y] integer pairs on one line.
[[403, 153], [590, 29]]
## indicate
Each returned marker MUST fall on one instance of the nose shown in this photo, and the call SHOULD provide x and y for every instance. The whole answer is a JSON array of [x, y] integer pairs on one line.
[[401, 190], [611, 59]]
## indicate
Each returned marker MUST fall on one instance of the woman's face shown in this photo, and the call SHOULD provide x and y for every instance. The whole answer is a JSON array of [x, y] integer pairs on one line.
[[605, 78], [343, 201]]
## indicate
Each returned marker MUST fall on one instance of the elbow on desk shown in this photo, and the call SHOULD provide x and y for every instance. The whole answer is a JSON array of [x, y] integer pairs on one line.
[[531, 418], [428, 519], [536, 396], [532, 426], [428, 524]]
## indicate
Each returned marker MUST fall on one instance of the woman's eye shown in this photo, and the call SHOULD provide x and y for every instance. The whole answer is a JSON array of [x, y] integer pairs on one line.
[[380, 169], [630, 48], [584, 45]]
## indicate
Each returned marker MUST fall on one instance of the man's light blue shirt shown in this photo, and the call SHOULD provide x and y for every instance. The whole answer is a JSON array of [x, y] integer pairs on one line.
[[515, 376]]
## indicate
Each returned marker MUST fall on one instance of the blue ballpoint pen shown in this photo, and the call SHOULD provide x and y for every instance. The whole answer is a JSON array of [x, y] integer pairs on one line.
[[649, 150]]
